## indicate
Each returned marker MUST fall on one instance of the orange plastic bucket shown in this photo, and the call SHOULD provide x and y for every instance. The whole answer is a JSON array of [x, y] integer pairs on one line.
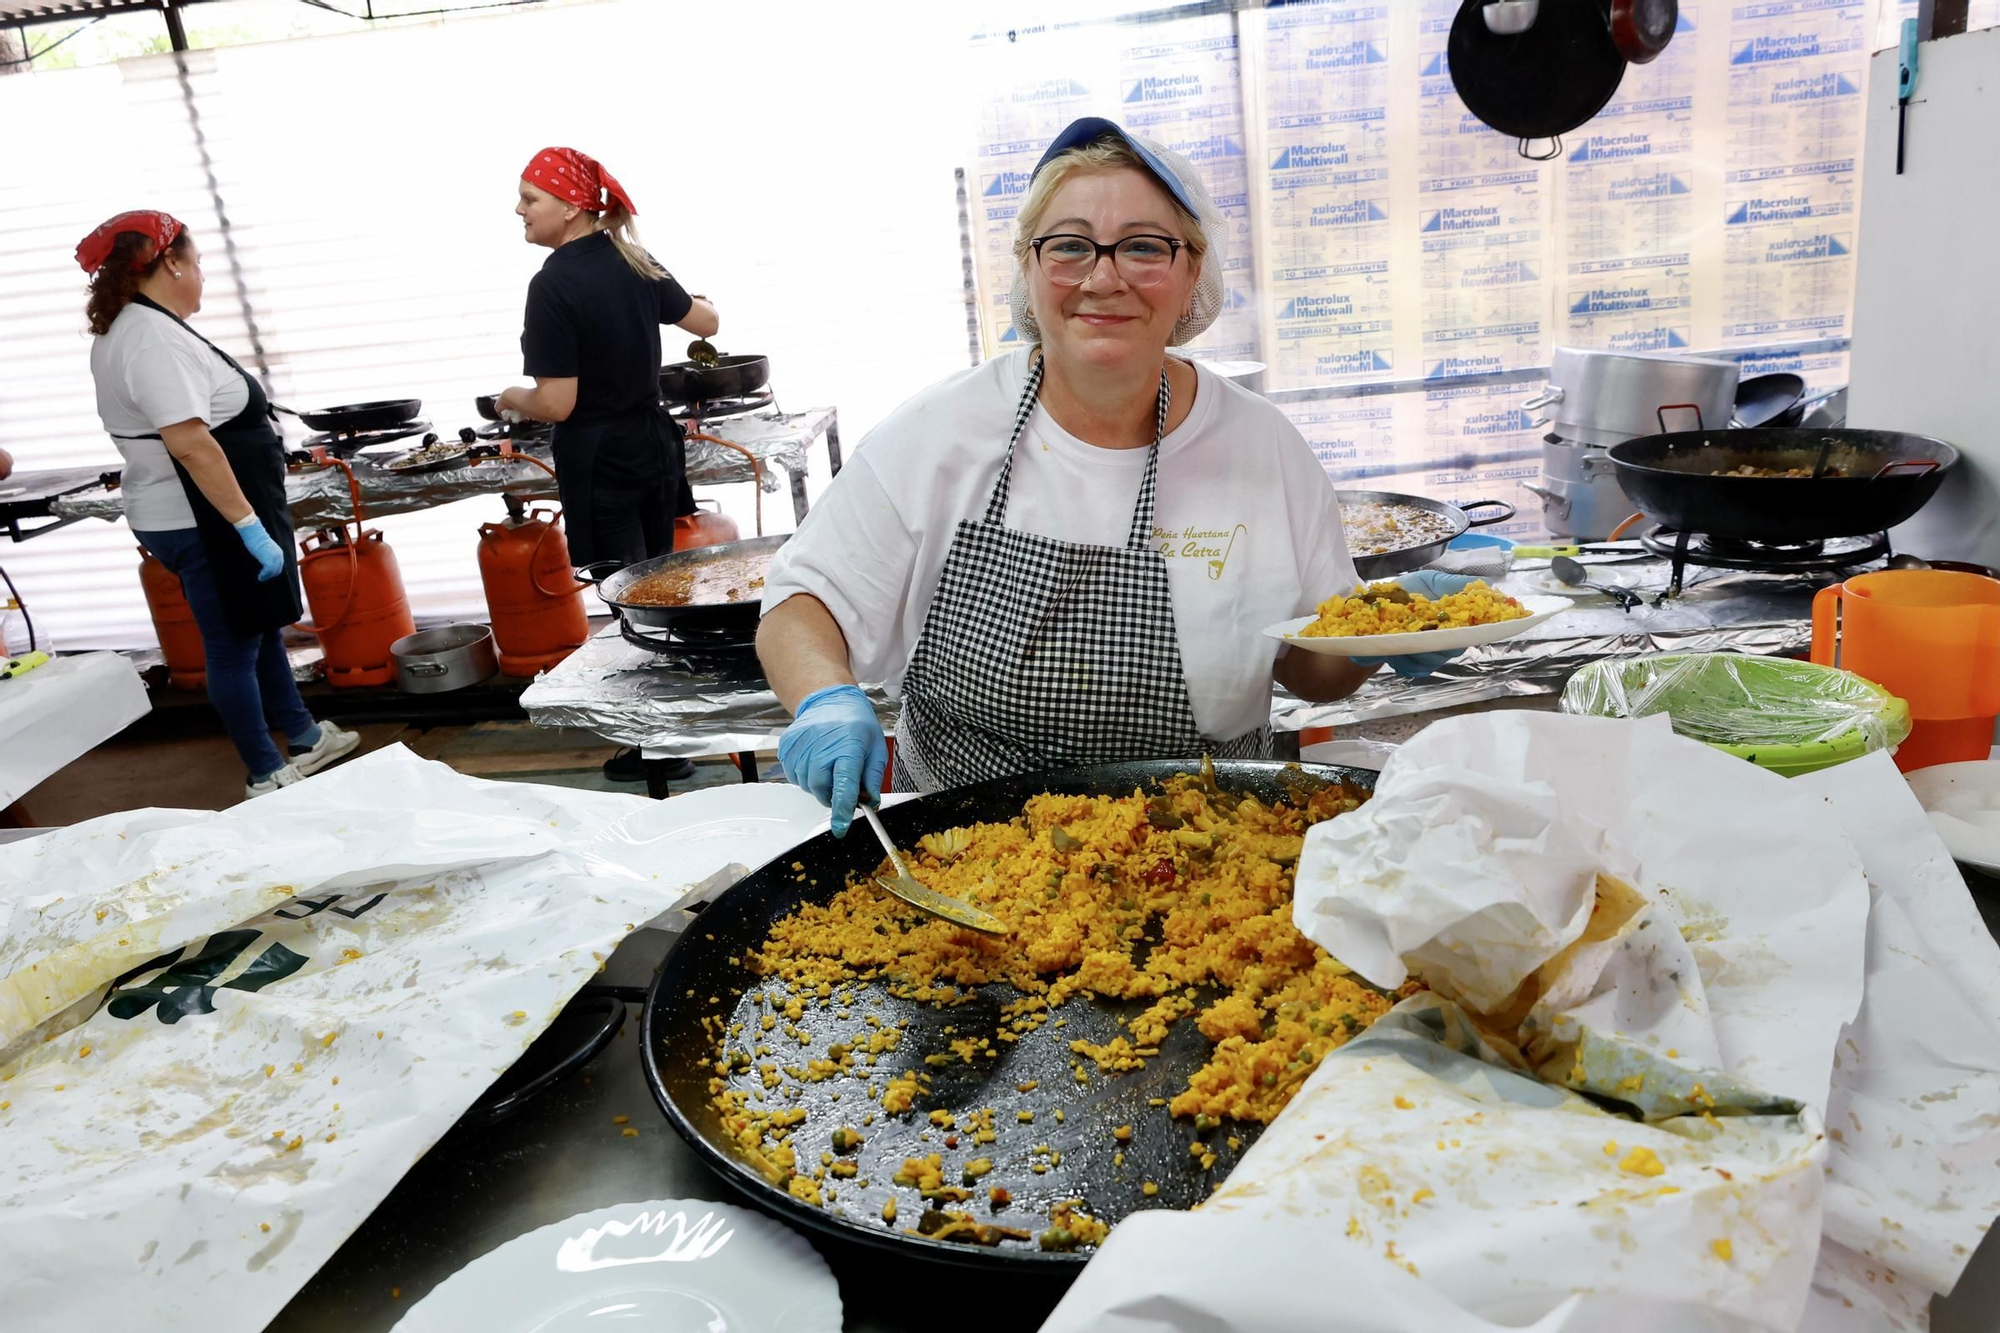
[[1930, 637]]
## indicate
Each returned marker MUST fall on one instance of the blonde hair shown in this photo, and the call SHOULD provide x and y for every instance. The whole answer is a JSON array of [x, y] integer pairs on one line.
[[626, 237], [1107, 154]]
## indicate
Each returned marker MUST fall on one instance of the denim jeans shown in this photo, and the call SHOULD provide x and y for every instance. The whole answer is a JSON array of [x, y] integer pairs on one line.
[[249, 677]]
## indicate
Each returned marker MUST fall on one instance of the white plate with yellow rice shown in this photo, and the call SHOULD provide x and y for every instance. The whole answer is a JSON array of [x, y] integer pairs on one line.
[[1349, 629]]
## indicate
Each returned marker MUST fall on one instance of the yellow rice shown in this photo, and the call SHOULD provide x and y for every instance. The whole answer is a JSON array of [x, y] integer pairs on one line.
[[1388, 608], [1080, 881]]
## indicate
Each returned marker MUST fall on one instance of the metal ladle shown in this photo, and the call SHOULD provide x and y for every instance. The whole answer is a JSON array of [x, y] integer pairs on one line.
[[1574, 575]]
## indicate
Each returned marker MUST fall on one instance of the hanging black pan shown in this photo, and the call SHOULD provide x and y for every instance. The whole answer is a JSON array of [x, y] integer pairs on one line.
[[1541, 82], [703, 975], [1871, 480]]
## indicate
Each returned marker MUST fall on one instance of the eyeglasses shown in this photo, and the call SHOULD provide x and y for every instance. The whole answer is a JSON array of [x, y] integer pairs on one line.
[[1069, 260]]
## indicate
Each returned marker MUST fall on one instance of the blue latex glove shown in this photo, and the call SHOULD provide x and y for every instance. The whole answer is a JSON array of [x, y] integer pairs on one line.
[[269, 557], [1432, 583], [1435, 583], [1413, 665], [835, 750]]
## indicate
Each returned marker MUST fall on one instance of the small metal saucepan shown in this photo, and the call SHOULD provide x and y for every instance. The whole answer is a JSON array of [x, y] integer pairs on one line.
[[435, 661]]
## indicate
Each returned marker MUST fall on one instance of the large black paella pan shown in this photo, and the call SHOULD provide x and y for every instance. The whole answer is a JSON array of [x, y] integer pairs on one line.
[[705, 986]]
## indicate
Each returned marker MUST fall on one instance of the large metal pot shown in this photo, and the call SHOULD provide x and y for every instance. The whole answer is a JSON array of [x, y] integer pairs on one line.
[[434, 661], [1579, 491], [1605, 398], [1416, 557]]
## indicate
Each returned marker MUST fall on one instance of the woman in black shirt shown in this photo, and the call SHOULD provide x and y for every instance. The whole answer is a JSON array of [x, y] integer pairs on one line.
[[591, 340]]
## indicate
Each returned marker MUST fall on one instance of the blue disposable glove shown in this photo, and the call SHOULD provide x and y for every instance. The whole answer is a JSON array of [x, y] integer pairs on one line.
[[1435, 583], [269, 557], [1413, 665], [835, 750], [1432, 583]]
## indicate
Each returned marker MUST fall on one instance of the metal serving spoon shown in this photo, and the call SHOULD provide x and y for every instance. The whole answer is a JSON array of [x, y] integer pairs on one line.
[[905, 886], [1574, 575]]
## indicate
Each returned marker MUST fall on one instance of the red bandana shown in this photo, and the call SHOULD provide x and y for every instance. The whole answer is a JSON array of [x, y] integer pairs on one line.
[[160, 228], [576, 178]]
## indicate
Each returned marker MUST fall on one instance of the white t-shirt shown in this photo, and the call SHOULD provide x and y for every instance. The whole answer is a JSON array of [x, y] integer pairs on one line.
[[151, 372], [1246, 519]]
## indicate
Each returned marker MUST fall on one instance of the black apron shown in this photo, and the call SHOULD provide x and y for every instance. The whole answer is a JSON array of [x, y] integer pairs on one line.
[[256, 455], [1040, 654], [641, 451]]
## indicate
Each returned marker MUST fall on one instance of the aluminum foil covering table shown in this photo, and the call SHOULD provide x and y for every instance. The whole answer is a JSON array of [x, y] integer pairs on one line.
[[627, 695], [624, 693], [318, 495], [1718, 611]]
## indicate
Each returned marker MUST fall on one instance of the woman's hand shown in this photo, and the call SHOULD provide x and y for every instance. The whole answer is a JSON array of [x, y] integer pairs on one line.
[[835, 750], [270, 557]]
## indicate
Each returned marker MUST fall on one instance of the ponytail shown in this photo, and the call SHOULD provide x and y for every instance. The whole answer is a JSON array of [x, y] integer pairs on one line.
[[618, 223]]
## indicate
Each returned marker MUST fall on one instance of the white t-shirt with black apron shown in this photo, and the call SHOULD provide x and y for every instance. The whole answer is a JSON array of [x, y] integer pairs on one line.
[[256, 456]]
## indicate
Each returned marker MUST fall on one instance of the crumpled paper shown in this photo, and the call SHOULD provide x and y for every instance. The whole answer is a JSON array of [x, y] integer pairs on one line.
[[224, 1037], [1423, 1145]]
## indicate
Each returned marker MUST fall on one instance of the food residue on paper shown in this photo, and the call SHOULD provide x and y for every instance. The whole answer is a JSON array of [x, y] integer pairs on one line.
[[1643, 1161]]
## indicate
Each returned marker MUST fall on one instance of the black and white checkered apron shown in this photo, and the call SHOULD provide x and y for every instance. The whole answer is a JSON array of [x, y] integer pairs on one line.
[[1040, 654]]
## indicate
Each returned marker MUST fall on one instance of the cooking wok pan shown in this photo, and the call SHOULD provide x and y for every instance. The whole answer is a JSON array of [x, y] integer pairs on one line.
[[702, 975], [729, 377], [701, 617], [1888, 477], [1416, 557], [382, 414]]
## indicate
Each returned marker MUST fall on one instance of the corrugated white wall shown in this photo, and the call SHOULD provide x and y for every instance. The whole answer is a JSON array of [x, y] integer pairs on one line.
[[805, 184]]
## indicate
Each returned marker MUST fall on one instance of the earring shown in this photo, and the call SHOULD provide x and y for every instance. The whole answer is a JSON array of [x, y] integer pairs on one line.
[[176, 272]]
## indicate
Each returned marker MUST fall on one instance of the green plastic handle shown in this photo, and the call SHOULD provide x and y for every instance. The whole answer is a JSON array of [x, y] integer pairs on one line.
[[1545, 552]]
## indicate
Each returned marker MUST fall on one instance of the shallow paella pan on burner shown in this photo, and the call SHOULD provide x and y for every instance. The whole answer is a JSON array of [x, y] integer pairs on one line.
[[702, 976]]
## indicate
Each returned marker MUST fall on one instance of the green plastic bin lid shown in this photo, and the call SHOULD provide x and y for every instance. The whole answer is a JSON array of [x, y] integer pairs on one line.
[[1784, 715]]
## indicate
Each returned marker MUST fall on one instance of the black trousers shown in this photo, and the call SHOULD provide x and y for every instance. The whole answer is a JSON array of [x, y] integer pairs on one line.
[[630, 524]]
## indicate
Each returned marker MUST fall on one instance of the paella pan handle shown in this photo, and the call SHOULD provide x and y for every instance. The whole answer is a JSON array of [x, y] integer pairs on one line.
[[1506, 512], [589, 573], [1924, 466], [1660, 414]]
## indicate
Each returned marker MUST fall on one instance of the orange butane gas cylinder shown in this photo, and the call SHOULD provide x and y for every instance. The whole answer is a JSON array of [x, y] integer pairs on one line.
[[704, 527], [532, 599], [173, 622], [355, 592]]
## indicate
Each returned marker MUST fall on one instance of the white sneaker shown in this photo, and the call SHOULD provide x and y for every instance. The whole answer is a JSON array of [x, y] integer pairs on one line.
[[284, 777], [334, 743]]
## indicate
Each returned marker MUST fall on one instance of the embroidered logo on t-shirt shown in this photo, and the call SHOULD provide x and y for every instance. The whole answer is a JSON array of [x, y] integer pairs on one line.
[[1192, 543]]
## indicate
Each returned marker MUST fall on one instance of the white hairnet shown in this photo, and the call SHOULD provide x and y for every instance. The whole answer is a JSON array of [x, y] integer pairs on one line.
[[1206, 304]]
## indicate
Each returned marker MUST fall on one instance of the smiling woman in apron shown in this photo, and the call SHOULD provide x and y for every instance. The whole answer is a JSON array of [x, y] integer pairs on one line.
[[1065, 555], [591, 340], [204, 485]]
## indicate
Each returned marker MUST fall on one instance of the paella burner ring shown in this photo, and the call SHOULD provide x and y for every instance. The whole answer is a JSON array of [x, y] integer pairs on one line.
[[721, 651], [1821, 556], [720, 409]]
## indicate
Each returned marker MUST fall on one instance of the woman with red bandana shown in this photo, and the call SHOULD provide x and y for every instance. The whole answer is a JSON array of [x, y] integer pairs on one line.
[[204, 484], [591, 340]]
